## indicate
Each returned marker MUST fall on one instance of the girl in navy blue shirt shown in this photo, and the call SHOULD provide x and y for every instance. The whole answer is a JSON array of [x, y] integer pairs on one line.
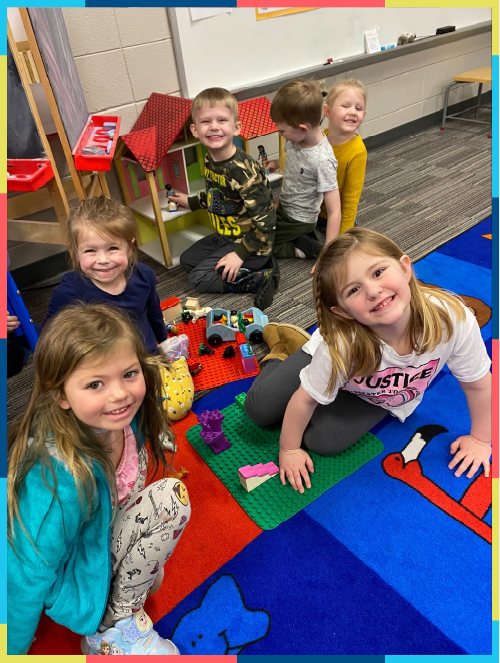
[[103, 252]]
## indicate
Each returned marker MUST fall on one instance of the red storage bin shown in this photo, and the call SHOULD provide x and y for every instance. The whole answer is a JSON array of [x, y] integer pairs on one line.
[[28, 174], [94, 135]]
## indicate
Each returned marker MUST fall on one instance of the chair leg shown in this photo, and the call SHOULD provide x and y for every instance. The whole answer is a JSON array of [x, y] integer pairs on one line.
[[479, 92], [446, 97]]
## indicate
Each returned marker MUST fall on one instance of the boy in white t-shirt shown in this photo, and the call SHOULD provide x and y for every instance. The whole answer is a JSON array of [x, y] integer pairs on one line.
[[310, 172]]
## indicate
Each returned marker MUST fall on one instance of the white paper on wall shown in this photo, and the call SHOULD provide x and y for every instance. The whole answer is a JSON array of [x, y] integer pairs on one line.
[[206, 12]]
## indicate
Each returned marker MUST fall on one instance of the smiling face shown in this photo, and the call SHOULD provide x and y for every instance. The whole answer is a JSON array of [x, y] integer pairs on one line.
[[346, 112], [215, 127], [103, 259], [376, 292], [106, 392]]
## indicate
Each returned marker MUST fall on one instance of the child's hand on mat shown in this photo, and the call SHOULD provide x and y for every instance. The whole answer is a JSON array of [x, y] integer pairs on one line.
[[472, 452], [231, 264], [312, 269], [294, 464], [271, 166], [180, 198]]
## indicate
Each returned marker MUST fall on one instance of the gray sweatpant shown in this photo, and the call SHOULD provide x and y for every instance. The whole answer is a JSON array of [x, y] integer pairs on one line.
[[201, 258], [332, 428], [144, 534]]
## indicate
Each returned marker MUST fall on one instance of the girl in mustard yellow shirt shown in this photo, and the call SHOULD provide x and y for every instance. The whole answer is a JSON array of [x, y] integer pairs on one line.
[[344, 108]]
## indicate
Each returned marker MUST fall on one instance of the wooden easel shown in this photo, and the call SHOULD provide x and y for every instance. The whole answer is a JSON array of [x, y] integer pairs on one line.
[[99, 184], [39, 231]]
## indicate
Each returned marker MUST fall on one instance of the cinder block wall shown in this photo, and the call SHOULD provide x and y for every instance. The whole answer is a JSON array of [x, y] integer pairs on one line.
[[412, 86], [122, 54]]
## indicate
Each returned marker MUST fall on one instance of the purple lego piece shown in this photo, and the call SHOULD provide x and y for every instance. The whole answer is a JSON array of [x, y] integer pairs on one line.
[[216, 440], [211, 420]]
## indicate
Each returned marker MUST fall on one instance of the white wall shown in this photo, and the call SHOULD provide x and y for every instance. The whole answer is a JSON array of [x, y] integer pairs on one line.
[[236, 51]]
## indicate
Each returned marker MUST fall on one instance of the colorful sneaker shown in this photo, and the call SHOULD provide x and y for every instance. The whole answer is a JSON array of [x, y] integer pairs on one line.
[[131, 636]]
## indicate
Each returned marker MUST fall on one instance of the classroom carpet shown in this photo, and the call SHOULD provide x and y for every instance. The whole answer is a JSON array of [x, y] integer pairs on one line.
[[393, 559]]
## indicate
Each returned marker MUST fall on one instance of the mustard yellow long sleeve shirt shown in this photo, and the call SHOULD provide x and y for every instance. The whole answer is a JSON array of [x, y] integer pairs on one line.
[[351, 157]]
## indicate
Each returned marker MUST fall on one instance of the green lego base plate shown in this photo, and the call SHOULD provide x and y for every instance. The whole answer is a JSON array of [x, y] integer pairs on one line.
[[270, 504]]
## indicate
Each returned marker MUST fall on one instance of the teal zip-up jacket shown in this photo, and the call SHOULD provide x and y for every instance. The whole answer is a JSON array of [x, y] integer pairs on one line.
[[71, 575]]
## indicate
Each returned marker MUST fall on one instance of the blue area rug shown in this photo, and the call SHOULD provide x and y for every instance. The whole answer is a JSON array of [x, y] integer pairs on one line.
[[380, 563]]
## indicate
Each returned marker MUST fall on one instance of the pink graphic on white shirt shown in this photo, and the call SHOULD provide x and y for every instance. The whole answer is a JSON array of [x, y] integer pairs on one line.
[[393, 387]]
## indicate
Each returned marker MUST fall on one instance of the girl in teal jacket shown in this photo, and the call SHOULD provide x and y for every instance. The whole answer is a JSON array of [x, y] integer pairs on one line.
[[87, 538]]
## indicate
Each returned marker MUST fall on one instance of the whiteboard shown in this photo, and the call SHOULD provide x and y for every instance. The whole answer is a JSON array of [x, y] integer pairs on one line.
[[237, 51]]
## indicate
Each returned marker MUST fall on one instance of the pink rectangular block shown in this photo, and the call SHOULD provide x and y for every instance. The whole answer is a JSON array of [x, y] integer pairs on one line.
[[271, 468]]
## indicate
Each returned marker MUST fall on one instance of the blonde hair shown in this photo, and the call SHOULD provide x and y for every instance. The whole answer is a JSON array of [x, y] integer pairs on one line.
[[108, 218], [355, 349], [214, 96], [78, 333], [346, 84], [298, 102]]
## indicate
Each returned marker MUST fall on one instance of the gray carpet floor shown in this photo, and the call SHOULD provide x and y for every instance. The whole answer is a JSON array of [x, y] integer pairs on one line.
[[421, 191]]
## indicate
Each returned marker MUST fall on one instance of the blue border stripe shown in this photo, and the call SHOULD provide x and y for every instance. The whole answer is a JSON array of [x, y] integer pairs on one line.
[[494, 128], [313, 659]]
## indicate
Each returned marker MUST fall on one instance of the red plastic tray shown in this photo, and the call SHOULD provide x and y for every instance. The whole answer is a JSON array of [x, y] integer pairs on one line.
[[28, 174], [93, 135], [216, 371]]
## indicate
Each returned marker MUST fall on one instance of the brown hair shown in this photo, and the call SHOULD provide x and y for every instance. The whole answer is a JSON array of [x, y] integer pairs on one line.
[[78, 333], [108, 218], [298, 102], [355, 349], [214, 96], [346, 84]]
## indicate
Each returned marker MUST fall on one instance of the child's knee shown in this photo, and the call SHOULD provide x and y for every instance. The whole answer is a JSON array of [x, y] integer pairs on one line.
[[326, 444], [256, 410], [180, 498], [196, 280]]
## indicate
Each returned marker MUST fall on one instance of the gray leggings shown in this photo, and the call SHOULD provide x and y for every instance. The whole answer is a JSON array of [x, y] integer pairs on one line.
[[332, 428], [144, 534]]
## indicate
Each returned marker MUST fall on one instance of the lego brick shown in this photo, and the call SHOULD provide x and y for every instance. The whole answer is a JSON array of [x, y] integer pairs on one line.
[[273, 503], [192, 304], [247, 358], [171, 309], [216, 370], [240, 401], [252, 476]]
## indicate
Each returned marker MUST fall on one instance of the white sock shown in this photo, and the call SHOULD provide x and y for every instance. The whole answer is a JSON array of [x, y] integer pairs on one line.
[[299, 253]]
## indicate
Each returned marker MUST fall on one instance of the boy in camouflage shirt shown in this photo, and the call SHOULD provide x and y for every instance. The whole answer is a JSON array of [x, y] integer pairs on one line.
[[238, 197]]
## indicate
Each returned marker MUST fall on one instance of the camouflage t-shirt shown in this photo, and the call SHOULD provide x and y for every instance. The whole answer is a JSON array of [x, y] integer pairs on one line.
[[239, 201]]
